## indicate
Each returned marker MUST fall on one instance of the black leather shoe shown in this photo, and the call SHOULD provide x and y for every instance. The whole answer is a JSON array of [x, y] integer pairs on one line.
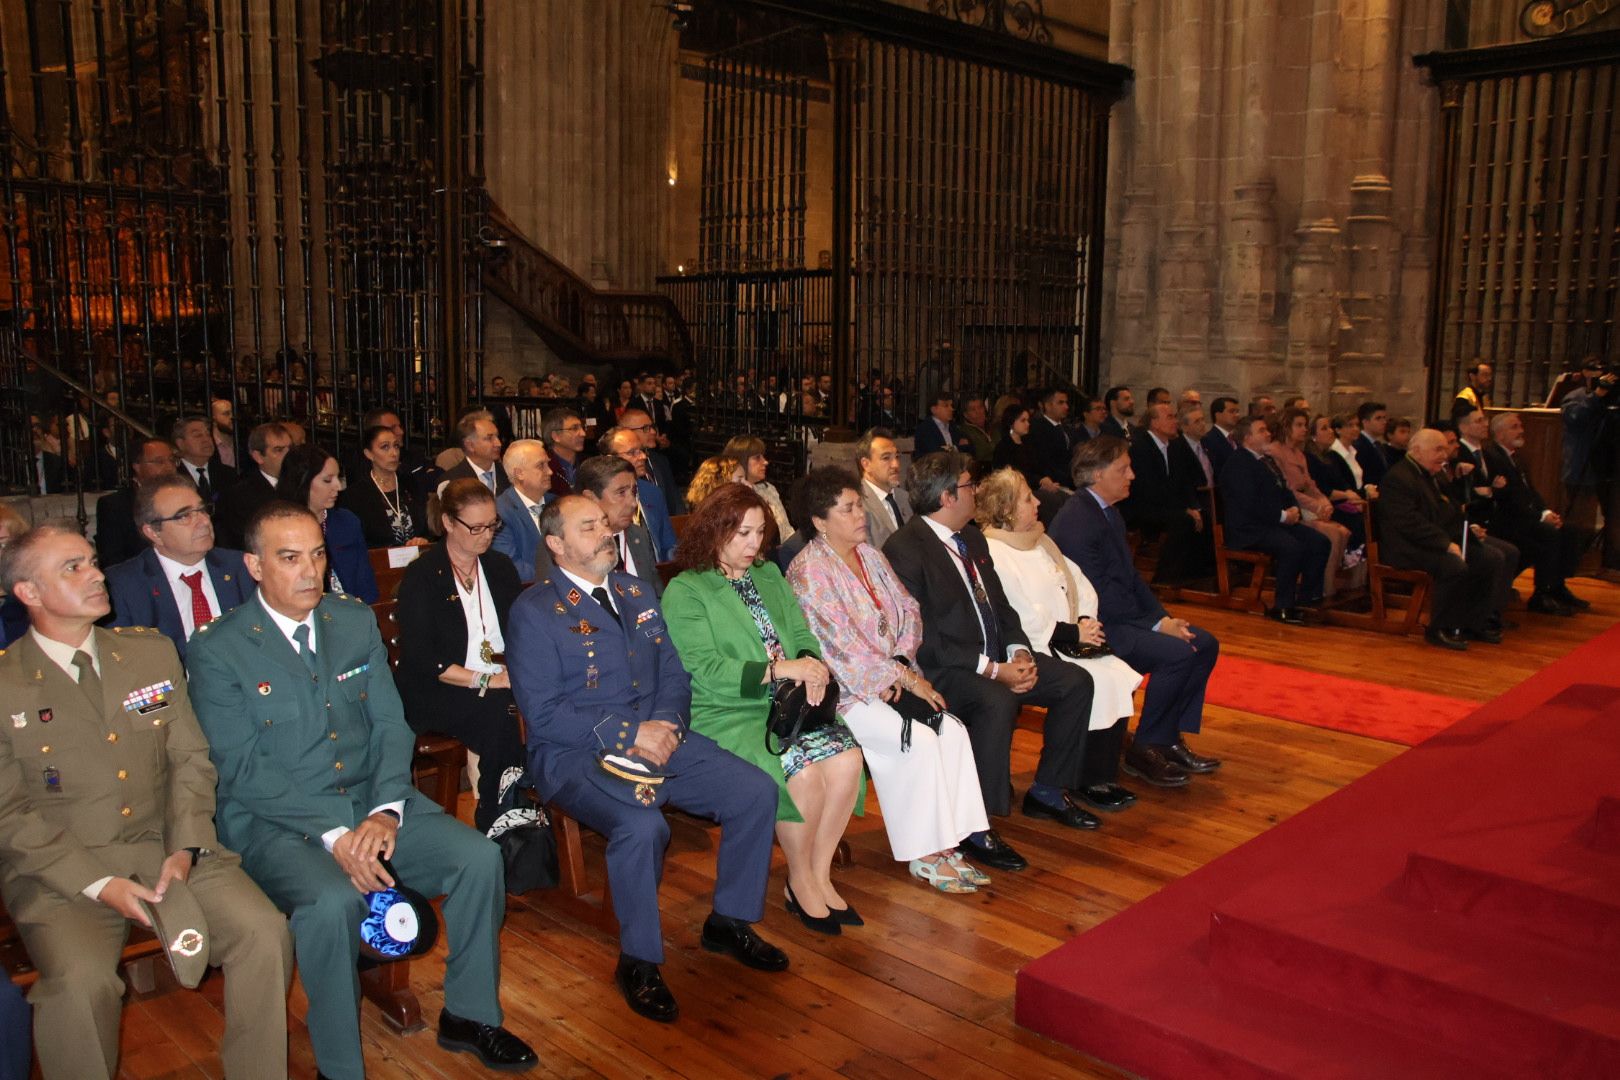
[[1109, 797], [644, 991], [993, 852], [1289, 616], [1569, 599], [1150, 763], [1549, 604], [821, 924], [496, 1047], [1182, 755], [1446, 639], [1485, 634], [1069, 814], [742, 941]]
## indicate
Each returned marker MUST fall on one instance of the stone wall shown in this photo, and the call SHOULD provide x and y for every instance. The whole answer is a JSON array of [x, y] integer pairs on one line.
[[1268, 225]]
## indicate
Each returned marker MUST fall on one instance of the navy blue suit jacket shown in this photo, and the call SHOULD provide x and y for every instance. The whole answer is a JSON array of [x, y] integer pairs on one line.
[[520, 536], [1219, 448], [585, 680], [929, 439], [347, 556], [1252, 502], [1370, 456], [141, 595], [1083, 532], [656, 514]]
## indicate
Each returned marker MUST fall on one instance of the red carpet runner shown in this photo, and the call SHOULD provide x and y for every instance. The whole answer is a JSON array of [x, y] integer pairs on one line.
[[1454, 913], [1332, 701]]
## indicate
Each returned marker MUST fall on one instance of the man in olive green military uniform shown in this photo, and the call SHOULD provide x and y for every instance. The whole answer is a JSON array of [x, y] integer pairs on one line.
[[303, 721], [106, 801]]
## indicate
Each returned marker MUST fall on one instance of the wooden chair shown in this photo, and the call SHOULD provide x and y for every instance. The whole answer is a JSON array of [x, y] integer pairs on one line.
[[1259, 564], [388, 577], [678, 523], [438, 758], [1380, 575]]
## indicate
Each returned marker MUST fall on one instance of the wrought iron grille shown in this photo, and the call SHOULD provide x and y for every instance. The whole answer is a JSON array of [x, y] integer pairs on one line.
[[1528, 267]]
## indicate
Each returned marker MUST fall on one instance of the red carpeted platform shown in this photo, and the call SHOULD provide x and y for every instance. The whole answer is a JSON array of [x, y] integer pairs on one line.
[[1455, 913]]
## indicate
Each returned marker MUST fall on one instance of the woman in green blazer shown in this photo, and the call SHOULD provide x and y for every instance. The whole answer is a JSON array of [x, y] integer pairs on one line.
[[739, 630]]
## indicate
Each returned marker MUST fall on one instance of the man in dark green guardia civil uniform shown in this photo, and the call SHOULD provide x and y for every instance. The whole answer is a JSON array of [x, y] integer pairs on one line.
[[306, 728], [106, 804]]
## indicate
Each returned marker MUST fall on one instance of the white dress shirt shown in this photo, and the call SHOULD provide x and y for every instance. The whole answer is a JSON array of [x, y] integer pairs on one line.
[[182, 592], [883, 497], [1203, 458], [478, 607]]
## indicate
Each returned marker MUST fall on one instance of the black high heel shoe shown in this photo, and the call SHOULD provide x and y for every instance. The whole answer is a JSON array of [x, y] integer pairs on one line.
[[846, 916], [826, 924]]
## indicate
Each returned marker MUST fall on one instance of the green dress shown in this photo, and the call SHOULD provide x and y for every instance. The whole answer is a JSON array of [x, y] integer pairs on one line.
[[726, 634]]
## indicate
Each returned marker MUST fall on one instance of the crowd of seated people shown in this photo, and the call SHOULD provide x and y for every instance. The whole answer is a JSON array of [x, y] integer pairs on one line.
[[936, 602]]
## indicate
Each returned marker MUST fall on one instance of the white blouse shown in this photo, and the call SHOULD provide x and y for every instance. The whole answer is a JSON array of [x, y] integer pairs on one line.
[[483, 624]]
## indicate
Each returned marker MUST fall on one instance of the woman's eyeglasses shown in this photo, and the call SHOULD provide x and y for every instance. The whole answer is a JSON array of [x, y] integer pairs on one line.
[[479, 530]]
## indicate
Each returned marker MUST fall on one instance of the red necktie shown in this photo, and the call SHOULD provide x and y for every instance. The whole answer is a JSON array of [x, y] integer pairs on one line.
[[201, 613]]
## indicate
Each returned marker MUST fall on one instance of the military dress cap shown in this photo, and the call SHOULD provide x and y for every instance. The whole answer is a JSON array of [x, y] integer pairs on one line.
[[178, 922], [632, 780], [399, 922]]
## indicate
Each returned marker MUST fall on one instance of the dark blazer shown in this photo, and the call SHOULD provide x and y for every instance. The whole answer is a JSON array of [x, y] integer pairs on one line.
[[433, 629], [465, 471], [346, 555], [117, 538], [560, 485], [1019, 456], [1083, 532], [1161, 493], [221, 477], [1112, 426], [1416, 519], [929, 439], [1370, 456], [13, 620], [520, 536], [1052, 450], [365, 501], [237, 505], [664, 476], [655, 515], [1252, 501], [1519, 506], [141, 595], [951, 635], [641, 549], [1218, 447]]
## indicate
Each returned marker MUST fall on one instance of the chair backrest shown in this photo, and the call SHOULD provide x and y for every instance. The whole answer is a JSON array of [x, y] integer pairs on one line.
[[1372, 532], [677, 522], [388, 627], [388, 575]]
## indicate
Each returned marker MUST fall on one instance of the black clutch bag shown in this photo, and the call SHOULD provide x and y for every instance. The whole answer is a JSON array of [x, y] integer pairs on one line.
[[792, 714], [1066, 642], [914, 710]]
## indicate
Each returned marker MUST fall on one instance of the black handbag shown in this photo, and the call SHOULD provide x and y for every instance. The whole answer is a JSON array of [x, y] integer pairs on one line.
[[792, 714], [913, 710], [523, 833], [1066, 642]]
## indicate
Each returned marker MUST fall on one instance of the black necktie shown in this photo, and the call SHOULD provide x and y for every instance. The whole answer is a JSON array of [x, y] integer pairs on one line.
[[1275, 470], [600, 594], [894, 504], [204, 488]]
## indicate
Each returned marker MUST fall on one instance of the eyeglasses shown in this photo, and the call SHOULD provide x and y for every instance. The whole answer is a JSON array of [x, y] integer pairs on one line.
[[638, 430], [971, 485], [479, 530], [186, 516]]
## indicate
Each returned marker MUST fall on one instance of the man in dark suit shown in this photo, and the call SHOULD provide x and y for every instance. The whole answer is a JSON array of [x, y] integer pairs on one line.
[[1121, 406], [117, 537], [1369, 446], [480, 440], [1088, 424], [611, 481], [646, 399], [658, 471], [564, 435], [1259, 513], [975, 652], [519, 506], [651, 510], [1218, 441], [1141, 632], [938, 430], [1164, 499], [1420, 527], [593, 668], [267, 446], [199, 462], [1050, 439], [307, 731], [1523, 519], [182, 581]]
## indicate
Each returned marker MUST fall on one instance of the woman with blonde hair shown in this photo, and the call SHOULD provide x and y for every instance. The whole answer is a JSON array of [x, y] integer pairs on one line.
[[713, 474], [1057, 607]]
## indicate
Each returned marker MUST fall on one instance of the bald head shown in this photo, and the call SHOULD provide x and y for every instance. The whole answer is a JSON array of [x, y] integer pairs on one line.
[[1429, 449], [529, 468]]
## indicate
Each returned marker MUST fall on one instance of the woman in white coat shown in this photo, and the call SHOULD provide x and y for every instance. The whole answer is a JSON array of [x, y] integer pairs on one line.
[[1058, 609]]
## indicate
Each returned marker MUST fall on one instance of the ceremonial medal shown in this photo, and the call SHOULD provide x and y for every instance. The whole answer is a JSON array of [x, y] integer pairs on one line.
[[46, 716], [592, 674], [486, 652], [264, 689], [645, 794], [53, 780], [979, 594], [883, 624]]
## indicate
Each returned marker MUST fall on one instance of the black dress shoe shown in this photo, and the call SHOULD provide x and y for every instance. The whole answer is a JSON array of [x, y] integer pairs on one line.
[[1485, 634], [1109, 797], [1068, 814], [821, 924], [1290, 616], [1182, 755], [1150, 763], [496, 1047], [1570, 599], [741, 940], [1446, 639], [644, 990], [846, 916], [993, 852], [1549, 604]]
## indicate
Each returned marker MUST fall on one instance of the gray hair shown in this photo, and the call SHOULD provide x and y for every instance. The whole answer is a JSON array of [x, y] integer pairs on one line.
[[1499, 423], [467, 427], [595, 473], [180, 425], [1094, 455], [523, 453], [19, 561], [554, 422], [146, 497], [932, 475]]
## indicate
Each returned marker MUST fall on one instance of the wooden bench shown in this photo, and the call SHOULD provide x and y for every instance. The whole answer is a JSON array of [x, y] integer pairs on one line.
[[439, 758], [1259, 563], [388, 577]]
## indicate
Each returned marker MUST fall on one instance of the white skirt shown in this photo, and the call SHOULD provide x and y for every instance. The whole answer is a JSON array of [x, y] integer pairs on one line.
[[1113, 682], [929, 793]]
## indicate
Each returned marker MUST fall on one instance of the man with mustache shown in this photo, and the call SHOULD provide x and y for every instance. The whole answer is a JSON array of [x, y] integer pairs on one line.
[[107, 801], [594, 670]]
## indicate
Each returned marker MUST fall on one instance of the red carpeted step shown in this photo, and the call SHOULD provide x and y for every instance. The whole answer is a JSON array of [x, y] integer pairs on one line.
[[1606, 825], [1496, 996], [1541, 879]]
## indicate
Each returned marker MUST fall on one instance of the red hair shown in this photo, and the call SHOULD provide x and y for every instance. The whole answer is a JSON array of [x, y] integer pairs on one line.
[[714, 522]]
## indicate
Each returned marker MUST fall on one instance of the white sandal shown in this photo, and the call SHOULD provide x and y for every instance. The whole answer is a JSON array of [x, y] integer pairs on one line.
[[967, 872], [935, 874]]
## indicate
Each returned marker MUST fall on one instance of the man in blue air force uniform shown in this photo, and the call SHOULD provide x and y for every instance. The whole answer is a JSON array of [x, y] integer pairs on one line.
[[593, 669], [307, 731]]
